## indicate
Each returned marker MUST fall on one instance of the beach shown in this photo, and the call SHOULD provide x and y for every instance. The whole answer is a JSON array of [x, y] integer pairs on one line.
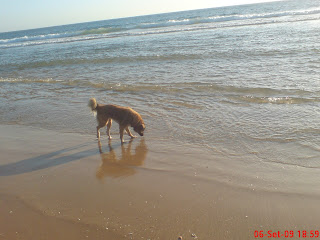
[[68, 186]]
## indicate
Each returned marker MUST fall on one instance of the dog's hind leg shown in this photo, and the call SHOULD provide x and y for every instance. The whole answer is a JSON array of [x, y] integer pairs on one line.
[[108, 127], [129, 133]]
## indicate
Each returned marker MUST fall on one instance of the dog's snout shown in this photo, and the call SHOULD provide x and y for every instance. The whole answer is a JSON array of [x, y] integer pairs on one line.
[[141, 134]]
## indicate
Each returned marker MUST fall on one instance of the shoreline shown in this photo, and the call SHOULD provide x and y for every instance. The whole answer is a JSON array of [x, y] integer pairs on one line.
[[131, 191]]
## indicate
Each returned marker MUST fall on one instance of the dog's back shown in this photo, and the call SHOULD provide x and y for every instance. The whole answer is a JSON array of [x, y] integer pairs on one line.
[[122, 115]]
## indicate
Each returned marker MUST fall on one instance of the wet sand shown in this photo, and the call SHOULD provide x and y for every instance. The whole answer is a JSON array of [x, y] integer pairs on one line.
[[70, 186]]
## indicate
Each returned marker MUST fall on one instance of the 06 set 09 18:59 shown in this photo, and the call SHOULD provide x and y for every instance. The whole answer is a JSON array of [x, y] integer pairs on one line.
[[287, 234]]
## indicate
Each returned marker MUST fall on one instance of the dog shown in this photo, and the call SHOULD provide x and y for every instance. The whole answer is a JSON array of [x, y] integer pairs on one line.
[[124, 116]]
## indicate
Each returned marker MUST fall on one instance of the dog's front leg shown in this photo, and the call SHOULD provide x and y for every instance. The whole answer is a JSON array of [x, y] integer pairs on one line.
[[129, 133], [121, 134], [98, 133], [98, 128]]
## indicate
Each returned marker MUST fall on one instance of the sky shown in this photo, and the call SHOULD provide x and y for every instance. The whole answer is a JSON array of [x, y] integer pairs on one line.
[[29, 14]]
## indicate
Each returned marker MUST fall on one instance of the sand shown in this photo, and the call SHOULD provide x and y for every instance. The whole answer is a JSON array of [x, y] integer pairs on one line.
[[69, 186]]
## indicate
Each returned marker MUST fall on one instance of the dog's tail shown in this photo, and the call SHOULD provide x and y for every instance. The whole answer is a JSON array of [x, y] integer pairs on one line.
[[92, 104]]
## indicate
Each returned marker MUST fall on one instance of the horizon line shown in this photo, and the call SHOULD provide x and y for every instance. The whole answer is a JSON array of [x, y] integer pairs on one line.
[[136, 16]]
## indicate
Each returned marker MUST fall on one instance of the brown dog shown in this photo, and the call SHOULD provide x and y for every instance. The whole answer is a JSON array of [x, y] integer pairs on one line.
[[125, 116]]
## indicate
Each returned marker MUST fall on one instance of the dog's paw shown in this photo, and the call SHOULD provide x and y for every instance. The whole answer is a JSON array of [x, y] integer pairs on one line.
[[133, 136], [110, 137]]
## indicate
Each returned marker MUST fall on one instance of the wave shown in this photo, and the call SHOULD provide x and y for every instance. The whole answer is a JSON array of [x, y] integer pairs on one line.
[[118, 87], [265, 15], [101, 30], [279, 100], [57, 37], [35, 38], [105, 60], [228, 18], [234, 94]]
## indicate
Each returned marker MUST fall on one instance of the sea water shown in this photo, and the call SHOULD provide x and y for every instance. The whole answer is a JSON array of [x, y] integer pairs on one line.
[[240, 82]]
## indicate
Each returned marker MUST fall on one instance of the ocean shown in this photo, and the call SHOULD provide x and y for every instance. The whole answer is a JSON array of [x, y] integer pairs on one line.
[[240, 83]]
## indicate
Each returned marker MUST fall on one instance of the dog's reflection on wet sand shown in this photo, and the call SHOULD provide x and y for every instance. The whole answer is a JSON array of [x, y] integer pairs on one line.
[[114, 166]]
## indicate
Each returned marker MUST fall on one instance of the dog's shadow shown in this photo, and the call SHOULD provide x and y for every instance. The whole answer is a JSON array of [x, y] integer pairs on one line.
[[48, 160], [123, 166]]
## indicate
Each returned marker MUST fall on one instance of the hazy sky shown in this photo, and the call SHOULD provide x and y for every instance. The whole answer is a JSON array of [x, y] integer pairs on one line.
[[28, 14]]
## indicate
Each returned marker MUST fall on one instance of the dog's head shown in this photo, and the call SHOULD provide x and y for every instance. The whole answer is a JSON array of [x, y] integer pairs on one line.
[[139, 129]]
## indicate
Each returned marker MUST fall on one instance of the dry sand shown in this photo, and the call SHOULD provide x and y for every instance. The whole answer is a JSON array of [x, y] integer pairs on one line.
[[68, 186]]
